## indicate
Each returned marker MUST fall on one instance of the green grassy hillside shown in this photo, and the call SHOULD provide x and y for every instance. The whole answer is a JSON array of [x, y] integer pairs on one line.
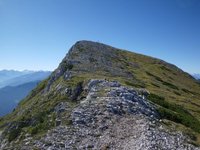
[[175, 93]]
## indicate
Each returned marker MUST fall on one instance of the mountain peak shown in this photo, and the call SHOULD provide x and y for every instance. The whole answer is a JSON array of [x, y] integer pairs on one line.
[[89, 43], [91, 47], [87, 57], [106, 92]]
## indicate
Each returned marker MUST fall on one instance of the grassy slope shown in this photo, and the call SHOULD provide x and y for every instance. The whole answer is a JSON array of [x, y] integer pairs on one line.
[[181, 88], [153, 74]]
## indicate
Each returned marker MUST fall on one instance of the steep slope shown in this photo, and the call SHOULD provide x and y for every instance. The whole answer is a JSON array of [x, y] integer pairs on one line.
[[9, 101], [25, 78], [65, 100]]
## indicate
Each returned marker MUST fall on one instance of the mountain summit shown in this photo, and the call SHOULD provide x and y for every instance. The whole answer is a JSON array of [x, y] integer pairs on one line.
[[101, 97]]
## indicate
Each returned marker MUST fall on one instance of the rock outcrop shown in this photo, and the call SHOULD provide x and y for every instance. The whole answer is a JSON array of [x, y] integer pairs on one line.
[[111, 117]]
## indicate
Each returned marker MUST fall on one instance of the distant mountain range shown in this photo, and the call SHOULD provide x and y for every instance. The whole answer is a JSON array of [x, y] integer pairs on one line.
[[15, 78], [15, 86], [10, 96], [25, 78], [9, 74], [196, 76]]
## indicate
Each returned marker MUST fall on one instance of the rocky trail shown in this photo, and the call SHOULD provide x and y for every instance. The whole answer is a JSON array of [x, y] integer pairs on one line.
[[112, 117]]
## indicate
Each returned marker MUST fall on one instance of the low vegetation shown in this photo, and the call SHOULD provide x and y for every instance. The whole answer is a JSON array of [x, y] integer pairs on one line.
[[170, 85], [175, 112]]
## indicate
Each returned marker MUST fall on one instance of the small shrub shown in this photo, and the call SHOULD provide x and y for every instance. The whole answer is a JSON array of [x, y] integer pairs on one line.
[[156, 99], [189, 92], [34, 130], [165, 68], [136, 85], [69, 122], [186, 91], [14, 133], [170, 85], [40, 126], [155, 85], [148, 73], [156, 77], [177, 93]]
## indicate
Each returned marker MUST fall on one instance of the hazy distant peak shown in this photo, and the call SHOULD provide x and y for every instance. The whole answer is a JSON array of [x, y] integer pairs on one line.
[[196, 76], [19, 77]]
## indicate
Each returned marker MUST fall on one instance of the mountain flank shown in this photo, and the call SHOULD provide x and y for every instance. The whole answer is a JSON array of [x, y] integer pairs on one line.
[[101, 97], [10, 96], [16, 85]]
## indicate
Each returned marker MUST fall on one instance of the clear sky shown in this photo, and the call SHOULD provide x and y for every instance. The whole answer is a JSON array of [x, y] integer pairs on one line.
[[36, 34]]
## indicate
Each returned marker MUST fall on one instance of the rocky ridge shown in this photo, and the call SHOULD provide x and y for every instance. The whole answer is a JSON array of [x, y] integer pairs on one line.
[[112, 117], [83, 104]]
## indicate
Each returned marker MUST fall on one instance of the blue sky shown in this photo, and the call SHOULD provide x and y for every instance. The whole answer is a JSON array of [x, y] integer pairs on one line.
[[36, 34]]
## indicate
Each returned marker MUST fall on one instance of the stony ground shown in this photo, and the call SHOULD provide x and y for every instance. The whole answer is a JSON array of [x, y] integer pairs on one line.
[[111, 117]]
